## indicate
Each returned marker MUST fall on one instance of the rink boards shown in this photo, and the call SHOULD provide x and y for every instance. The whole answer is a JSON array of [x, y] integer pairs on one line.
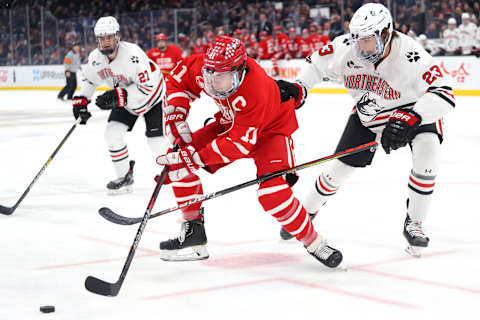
[[464, 73]]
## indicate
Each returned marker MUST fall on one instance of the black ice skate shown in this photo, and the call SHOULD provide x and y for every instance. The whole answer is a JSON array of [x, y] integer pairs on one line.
[[327, 255], [122, 184], [189, 245], [285, 235], [417, 240]]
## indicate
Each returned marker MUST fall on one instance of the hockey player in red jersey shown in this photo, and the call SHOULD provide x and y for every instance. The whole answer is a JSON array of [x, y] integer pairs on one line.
[[280, 50], [265, 46], [165, 56], [305, 45], [252, 123], [294, 44]]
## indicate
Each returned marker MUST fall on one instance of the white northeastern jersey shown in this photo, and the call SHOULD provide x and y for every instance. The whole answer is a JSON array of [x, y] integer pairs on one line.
[[407, 78], [450, 40], [466, 34], [132, 70]]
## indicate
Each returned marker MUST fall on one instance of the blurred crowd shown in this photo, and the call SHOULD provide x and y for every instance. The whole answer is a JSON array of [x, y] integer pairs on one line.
[[270, 29]]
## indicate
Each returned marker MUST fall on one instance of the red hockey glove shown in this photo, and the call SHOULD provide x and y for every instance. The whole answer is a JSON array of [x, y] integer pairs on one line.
[[175, 125], [400, 129], [181, 163]]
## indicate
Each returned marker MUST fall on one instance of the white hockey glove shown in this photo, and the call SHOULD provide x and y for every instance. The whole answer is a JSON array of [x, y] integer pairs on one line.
[[180, 163], [176, 126]]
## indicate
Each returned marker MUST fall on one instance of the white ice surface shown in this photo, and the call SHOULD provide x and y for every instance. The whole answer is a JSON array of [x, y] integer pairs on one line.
[[56, 238]]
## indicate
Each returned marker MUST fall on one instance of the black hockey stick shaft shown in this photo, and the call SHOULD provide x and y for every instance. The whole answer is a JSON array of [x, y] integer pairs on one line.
[[118, 219], [10, 210], [104, 288]]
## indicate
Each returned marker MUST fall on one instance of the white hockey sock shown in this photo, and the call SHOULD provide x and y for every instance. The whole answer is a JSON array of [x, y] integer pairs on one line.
[[327, 185], [114, 134], [420, 189], [425, 158], [120, 161]]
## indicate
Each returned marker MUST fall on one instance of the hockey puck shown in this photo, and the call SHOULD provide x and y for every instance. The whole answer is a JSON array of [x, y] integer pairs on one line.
[[47, 309]]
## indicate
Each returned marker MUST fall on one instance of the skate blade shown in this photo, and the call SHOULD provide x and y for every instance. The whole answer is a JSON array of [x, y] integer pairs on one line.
[[188, 254], [414, 251], [120, 191]]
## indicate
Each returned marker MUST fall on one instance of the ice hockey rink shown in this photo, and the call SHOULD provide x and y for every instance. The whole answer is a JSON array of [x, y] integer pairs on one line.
[[56, 238]]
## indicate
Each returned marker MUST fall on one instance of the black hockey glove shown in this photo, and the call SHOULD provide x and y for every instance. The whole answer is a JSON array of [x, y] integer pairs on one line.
[[80, 109], [400, 129], [116, 98], [293, 90]]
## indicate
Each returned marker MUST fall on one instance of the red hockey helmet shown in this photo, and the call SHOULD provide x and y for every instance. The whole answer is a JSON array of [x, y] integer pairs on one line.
[[277, 28], [221, 63], [161, 36], [237, 32]]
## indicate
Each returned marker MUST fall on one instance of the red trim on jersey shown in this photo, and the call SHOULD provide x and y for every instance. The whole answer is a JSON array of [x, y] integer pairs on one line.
[[440, 127], [423, 185]]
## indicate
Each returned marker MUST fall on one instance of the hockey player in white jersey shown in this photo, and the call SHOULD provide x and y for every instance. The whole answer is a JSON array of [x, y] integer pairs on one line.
[[451, 38], [401, 95], [467, 32], [138, 89]]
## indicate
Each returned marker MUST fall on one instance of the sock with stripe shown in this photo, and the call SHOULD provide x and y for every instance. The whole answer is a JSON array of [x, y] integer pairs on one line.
[[188, 189], [327, 184]]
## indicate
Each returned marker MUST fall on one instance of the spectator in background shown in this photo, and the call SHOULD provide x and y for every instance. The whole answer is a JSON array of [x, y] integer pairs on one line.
[[450, 38], [72, 65], [432, 31], [466, 33], [264, 24], [165, 56]]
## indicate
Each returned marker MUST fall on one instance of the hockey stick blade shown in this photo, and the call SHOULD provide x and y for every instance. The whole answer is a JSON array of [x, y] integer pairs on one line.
[[6, 210], [101, 287], [113, 217]]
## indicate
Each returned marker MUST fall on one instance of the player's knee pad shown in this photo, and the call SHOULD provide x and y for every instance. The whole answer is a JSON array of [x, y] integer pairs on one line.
[[114, 134], [327, 184], [336, 173], [426, 154]]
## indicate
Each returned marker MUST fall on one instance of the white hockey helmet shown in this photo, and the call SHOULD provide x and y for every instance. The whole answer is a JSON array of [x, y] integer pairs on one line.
[[368, 24], [107, 26]]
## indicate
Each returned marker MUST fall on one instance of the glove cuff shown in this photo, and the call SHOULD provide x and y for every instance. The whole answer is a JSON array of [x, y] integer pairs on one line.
[[408, 116], [121, 97], [302, 94], [80, 101]]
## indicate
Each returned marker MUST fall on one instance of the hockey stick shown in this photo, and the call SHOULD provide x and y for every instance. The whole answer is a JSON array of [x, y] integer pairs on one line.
[[10, 210], [118, 219], [104, 288]]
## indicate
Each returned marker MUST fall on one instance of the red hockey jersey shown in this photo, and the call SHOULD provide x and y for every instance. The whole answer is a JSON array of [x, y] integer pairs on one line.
[[167, 59], [252, 113]]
